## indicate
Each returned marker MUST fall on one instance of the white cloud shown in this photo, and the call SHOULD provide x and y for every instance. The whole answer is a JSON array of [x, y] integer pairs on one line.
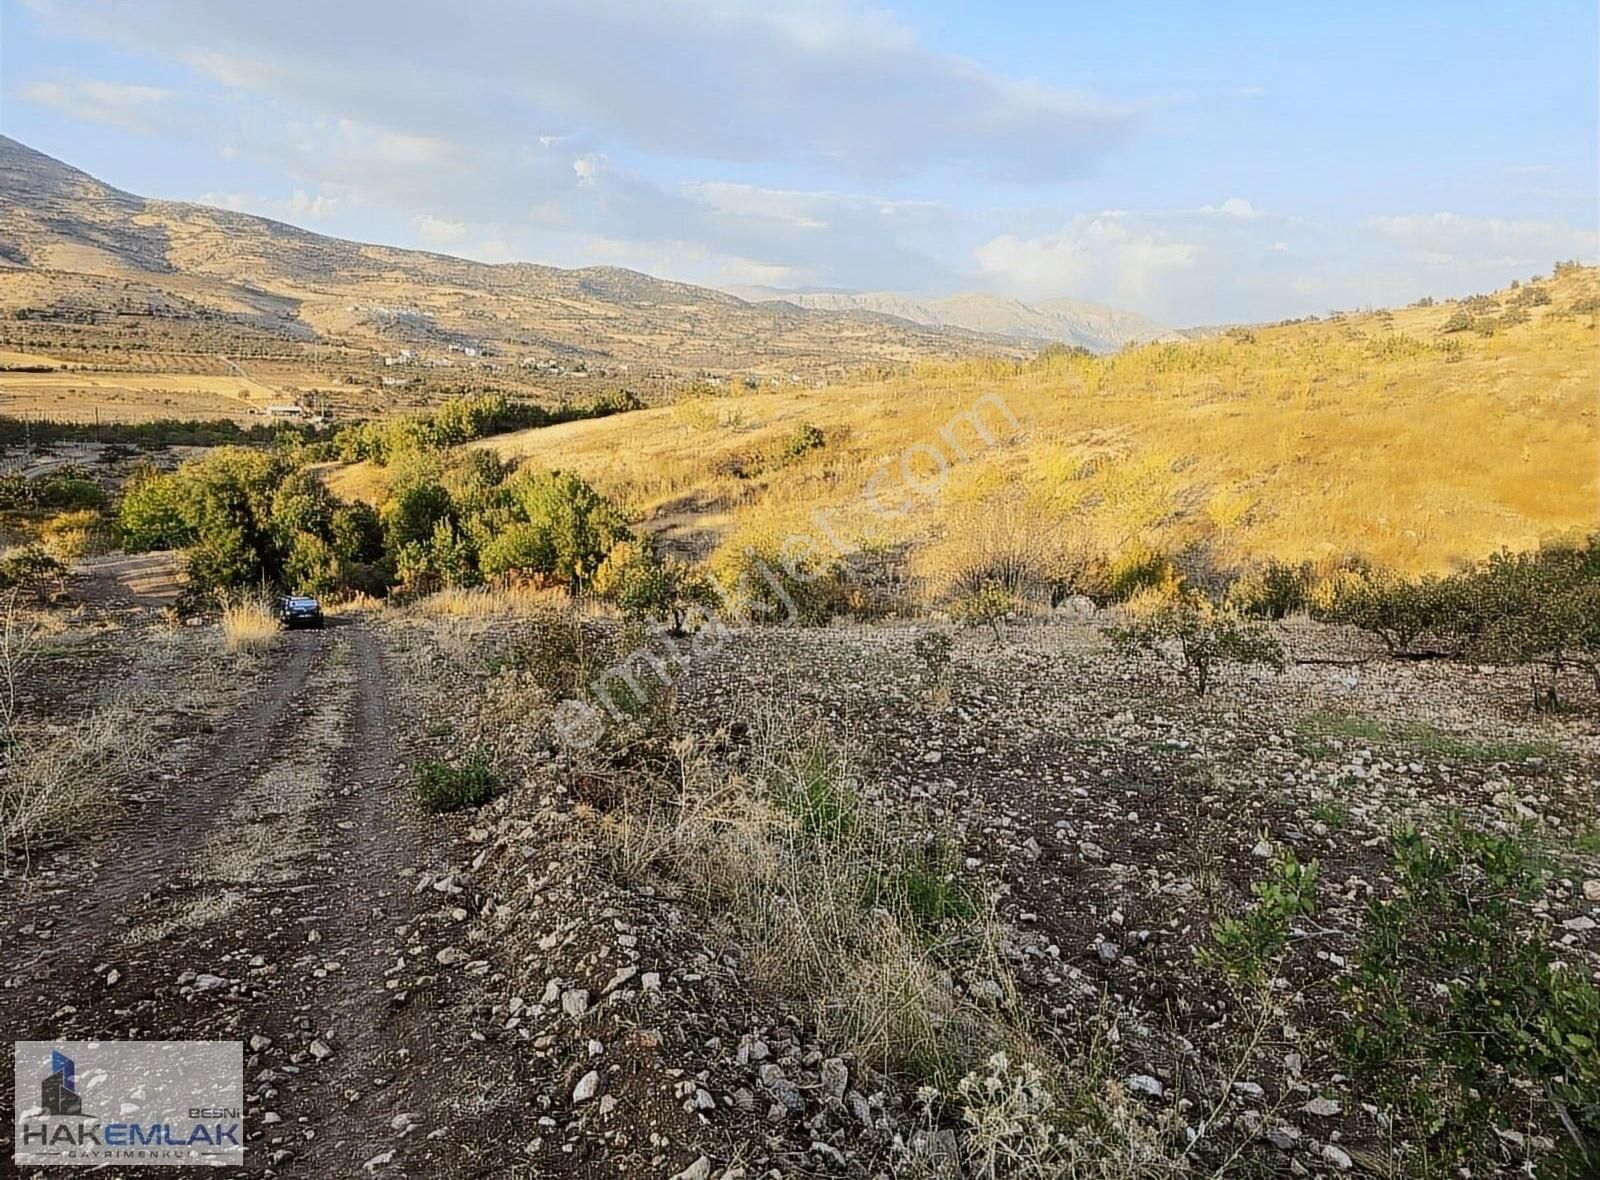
[[299, 205], [116, 105], [1234, 261], [571, 131], [1451, 239], [441, 231], [1124, 258], [1232, 207], [828, 83]]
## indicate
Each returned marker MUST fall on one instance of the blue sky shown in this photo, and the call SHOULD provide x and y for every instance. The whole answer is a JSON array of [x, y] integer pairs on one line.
[[1198, 163]]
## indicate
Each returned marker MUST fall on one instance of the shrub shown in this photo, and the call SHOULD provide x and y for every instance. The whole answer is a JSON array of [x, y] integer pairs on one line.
[[1245, 946], [1272, 590], [764, 581], [414, 513], [1540, 609], [559, 527], [805, 439], [30, 570], [1412, 617], [1136, 569], [1457, 1019], [461, 420], [446, 558], [68, 489], [154, 513], [442, 787], [988, 606], [1201, 635], [356, 531], [220, 509], [647, 586]]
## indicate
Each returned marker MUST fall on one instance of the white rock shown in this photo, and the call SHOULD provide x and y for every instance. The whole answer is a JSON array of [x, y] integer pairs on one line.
[[587, 1087], [450, 956], [699, 1170], [379, 1160], [575, 1002], [1337, 1156], [1591, 890], [1143, 1083], [1323, 1108]]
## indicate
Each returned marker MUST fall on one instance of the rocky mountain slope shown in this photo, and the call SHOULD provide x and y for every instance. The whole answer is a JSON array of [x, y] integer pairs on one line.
[[63, 234]]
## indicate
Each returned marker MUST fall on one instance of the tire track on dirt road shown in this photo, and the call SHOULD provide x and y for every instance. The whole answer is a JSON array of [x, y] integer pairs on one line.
[[143, 853], [307, 921]]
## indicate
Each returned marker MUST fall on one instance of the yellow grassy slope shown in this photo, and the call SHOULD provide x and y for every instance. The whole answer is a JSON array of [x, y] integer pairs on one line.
[[1376, 433]]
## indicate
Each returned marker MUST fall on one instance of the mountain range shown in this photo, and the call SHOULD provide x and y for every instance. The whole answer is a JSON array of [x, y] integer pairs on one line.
[[83, 258], [1061, 321], [91, 267]]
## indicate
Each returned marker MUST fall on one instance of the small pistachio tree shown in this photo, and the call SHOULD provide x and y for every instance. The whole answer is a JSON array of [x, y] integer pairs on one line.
[[1539, 609], [1197, 633], [648, 586]]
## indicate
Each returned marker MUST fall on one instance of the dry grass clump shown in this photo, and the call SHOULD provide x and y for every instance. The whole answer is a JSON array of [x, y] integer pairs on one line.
[[487, 602], [53, 781], [867, 923], [864, 920], [248, 626], [72, 536], [54, 776]]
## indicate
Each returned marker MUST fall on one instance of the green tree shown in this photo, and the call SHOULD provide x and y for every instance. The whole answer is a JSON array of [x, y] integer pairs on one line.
[[1540, 609], [1199, 633], [155, 514], [357, 532], [570, 528], [647, 586], [411, 517]]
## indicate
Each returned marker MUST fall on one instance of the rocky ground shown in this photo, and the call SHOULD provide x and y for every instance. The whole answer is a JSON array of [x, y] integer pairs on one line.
[[480, 995]]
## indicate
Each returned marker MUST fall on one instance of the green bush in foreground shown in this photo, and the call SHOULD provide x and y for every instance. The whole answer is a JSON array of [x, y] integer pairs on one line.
[[1467, 1026], [442, 787], [1247, 945]]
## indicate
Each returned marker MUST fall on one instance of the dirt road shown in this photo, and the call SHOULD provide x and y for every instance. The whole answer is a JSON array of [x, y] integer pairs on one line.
[[282, 890]]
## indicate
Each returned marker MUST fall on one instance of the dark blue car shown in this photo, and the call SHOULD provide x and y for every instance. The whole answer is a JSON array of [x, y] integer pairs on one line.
[[300, 610]]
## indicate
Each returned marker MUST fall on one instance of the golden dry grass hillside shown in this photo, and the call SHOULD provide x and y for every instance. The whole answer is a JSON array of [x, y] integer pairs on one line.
[[1418, 438]]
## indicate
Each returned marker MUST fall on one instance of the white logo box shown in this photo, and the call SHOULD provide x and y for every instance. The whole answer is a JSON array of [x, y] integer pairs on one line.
[[129, 1103]]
